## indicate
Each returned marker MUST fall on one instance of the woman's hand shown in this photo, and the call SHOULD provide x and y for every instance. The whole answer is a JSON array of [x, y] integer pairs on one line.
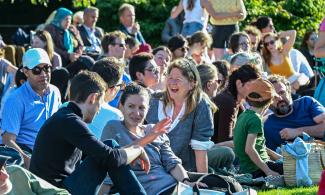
[[162, 126]]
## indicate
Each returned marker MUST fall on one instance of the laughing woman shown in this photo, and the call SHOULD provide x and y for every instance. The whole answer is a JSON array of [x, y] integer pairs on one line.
[[165, 169], [191, 113]]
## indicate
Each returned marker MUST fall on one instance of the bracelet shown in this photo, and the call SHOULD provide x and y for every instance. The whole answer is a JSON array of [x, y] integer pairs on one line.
[[186, 179]]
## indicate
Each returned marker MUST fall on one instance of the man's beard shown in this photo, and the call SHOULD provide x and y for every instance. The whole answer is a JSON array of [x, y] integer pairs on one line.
[[282, 108]]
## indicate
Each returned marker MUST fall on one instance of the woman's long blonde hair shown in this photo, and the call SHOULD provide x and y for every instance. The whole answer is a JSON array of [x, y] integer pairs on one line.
[[47, 38], [190, 72]]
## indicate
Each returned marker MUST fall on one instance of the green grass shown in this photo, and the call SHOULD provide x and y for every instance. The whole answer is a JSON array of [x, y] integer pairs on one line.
[[295, 191]]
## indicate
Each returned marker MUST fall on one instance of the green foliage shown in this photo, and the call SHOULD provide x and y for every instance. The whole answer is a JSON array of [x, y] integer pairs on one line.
[[300, 15], [151, 15], [76, 3]]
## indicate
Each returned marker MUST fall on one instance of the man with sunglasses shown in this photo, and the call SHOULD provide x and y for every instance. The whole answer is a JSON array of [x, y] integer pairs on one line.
[[29, 106], [144, 70], [110, 69], [114, 45]]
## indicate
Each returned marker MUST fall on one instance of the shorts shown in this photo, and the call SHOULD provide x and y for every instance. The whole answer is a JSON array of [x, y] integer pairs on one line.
[[221, 34], [190, 28]]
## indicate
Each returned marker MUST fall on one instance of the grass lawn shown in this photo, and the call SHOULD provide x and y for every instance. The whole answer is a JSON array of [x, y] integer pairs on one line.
[[296, 191]]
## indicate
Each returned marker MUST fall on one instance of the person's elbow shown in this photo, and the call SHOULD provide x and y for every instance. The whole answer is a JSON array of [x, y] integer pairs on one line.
[[248, 149]]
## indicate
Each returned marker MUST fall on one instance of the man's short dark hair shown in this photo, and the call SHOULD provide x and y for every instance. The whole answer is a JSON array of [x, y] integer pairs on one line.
[[131, 42], [138, 63], [110, 38], [110, 69], [274, 78], [84, 84], [176, 42]]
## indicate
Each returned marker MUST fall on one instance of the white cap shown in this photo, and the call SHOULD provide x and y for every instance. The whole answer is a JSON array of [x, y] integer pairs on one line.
[[34, 57]]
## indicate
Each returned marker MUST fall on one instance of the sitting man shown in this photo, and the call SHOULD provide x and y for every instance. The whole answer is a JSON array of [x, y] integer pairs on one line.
[[249, 140], [65, 137], [28, 107], [24, 181], [128, 25], [110, 69], [291, 118], [144, 70], [90, 34], [113, 45]]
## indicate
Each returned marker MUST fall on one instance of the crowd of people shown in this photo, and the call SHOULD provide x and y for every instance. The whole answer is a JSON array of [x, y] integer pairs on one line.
[[90, 111]]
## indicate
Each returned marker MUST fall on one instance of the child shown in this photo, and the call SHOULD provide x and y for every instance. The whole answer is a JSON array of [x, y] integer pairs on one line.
[[249, 140]]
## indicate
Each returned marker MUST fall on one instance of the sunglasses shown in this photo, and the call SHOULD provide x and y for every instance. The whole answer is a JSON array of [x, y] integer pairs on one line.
[[152, 69], [269, 43], [120, 86], [38, 70]]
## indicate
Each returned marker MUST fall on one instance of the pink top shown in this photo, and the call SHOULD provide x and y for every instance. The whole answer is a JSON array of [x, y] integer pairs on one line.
[[322, 25]]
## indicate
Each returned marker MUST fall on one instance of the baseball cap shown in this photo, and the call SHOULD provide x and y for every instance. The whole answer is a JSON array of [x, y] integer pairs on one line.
[[3, 160], [34, 57], [263, 88]]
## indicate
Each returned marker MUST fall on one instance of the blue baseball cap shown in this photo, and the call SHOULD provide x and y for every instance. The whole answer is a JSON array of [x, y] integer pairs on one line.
[[34, 57]]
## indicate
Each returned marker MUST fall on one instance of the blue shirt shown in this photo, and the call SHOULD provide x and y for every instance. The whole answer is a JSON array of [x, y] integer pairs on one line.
[[126, 79], [304, 110], [105, 114], [25, 112]]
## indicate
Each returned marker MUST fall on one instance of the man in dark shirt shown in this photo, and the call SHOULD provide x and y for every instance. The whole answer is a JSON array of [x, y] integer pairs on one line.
[[65, 136]]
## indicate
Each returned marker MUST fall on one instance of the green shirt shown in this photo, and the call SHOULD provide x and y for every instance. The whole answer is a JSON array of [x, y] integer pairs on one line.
[[249, 122]]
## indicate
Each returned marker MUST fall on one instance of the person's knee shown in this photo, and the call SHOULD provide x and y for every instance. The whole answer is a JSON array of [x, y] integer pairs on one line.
[[111, 143]]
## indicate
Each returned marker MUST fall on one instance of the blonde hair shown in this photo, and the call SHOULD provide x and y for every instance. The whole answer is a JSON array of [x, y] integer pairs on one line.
[[47, 38]]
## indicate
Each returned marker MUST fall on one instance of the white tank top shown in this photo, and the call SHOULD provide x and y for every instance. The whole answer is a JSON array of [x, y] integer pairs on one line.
[[197, 14]]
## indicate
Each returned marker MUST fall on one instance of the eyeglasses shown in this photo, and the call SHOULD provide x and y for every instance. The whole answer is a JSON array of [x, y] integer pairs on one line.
[[244, 44], [119, 44], [38, 70], [152, 69], [269, 43], [120, 86]]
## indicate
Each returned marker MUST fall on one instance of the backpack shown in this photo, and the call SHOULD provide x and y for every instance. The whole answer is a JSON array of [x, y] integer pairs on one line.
[[220, 183]]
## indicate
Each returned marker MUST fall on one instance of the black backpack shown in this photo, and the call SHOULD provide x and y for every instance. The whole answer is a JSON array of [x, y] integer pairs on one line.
[[219, 183]]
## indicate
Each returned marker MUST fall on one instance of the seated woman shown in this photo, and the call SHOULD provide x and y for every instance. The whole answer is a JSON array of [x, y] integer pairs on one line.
[[210, 85], [308, 45], [192, 115], [166, 168], [66, 38], [42, 39]]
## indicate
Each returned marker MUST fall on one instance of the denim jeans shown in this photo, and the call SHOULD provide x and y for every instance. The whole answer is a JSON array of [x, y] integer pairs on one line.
[[88, 176], [190, 28]]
